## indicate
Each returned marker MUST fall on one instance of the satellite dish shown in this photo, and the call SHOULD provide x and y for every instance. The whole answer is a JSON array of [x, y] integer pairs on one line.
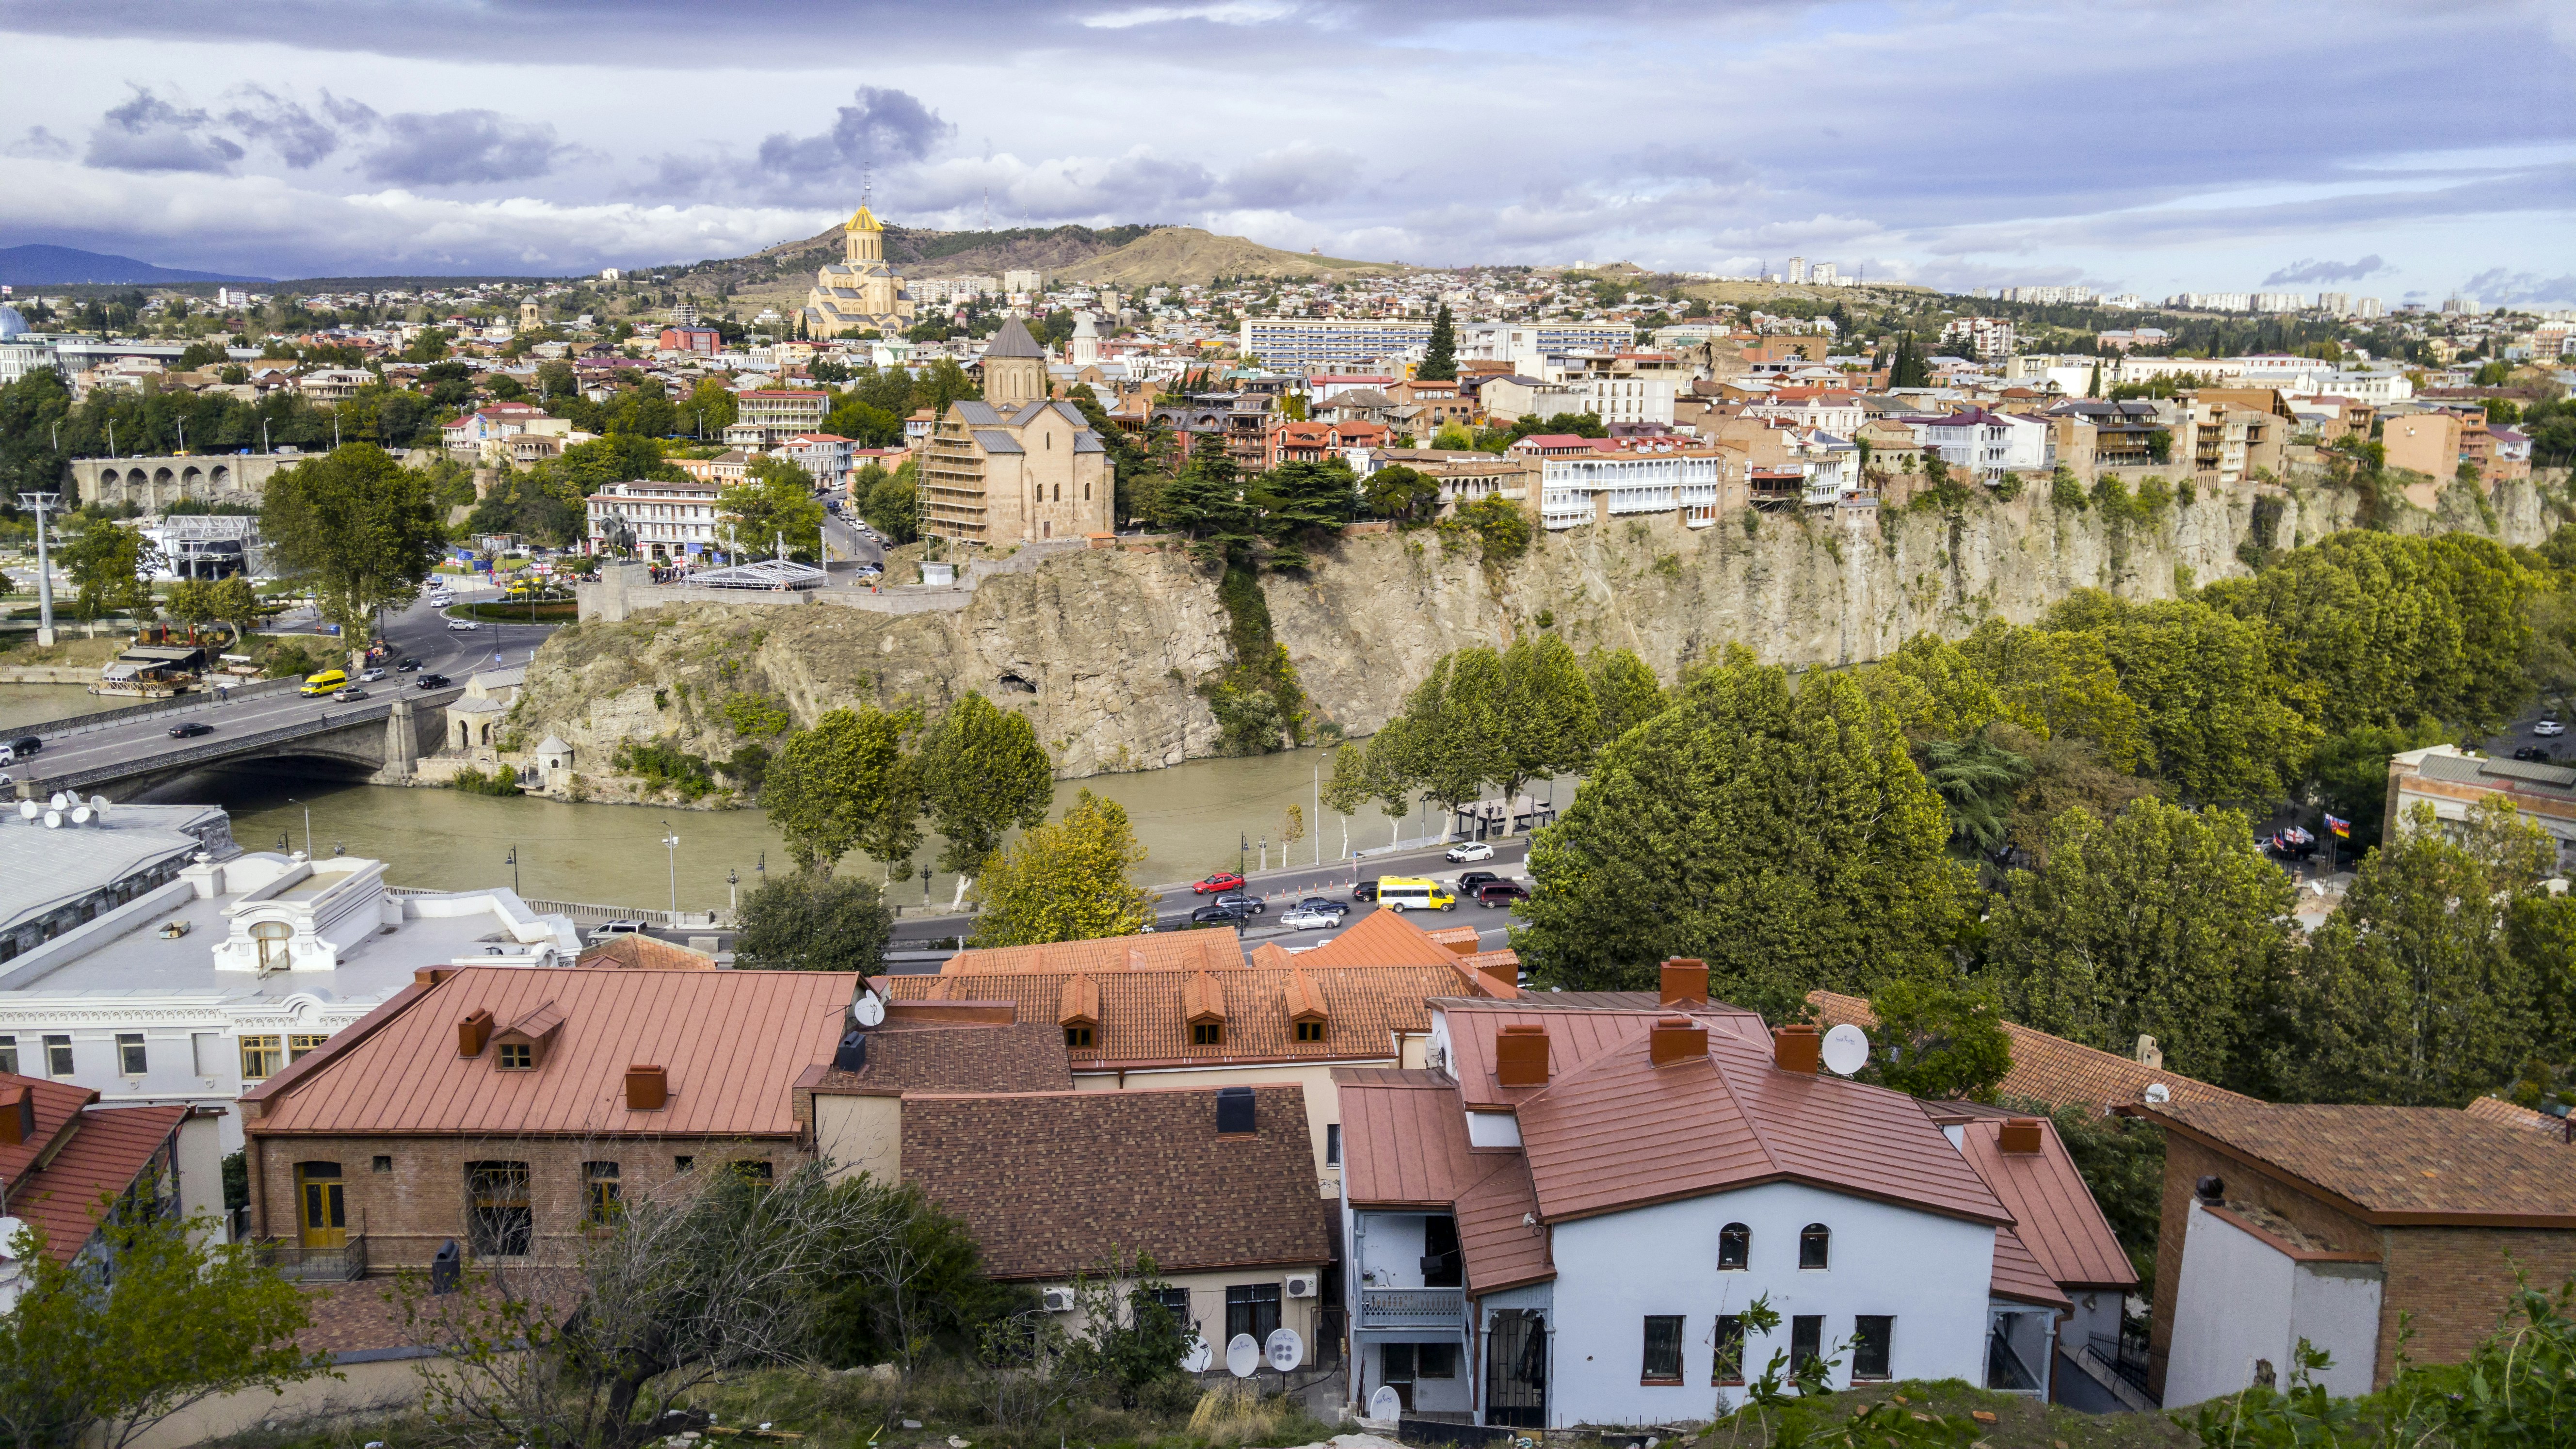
[[98, 805], [80, 815], [53, 820], [1199, 1357], [1846, 1050], [59, 800], [1385, 1405], [868, 1010], [1285, 1349], [29, 809], [2158, 1093], [1242, 1356]]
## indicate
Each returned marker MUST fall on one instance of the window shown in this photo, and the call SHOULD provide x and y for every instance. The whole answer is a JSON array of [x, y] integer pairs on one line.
[[499, 1221], [1076, 1037], [384, 1163], [516, 1056], [1207, 1033], [1872, 1333], [683, 1164], [9, 1055], [1734, 1247], [1815, 1240], [297, 1046], [1310, 1030], [1806, 1339], [131, 1059], [1332, 1144], [58, 1055], [1726, 1366], [261, 1057], [271, 937], [1663, 1350], [599, 1193], [1251, 1308]]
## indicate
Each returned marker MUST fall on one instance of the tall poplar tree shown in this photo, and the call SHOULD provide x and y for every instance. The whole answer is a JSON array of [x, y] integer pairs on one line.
[[982, 772]]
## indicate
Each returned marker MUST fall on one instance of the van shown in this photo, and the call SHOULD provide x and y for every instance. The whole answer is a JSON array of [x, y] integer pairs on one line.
[[1402, 893], [329, 681]]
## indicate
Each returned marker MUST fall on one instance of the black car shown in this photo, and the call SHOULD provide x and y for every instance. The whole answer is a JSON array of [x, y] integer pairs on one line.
[[1469, 881], [1220, 915], [406, 666], [1254, 904], [2532, 754], [1494, 893], [1364, 891], [21, 748], [433, 681], [1326, 904], [190, 730]]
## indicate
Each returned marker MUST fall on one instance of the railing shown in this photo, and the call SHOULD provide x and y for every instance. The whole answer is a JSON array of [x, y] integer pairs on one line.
[[317, 1265], [2126, 1353], [585, 911], [82, 724], [1412, 1307]]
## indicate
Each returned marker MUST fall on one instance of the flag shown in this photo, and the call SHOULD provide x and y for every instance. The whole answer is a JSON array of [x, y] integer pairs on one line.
[[2339, 827]]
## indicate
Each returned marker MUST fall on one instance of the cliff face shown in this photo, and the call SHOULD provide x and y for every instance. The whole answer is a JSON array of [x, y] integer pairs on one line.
[[1103, 650]]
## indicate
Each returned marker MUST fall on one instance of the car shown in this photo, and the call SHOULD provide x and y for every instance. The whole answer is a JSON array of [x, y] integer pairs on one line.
[[1469, 880], [352, 692], [1219, 915], [1327, 904], [432, 681], [2549, 727], [370, 676], [2534, 755], [1224, 880], [462, 626], [1470, 850], [406, 666], [1364, 891], [1302, 919], [609, 930], [1254, 904], [190, 730], [1497, 893], [21, 748]]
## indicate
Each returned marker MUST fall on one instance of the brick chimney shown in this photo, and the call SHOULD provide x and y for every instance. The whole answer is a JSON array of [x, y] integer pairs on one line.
[[1797, 1048], [1685, 981], [648, 1089], [473, 1031], [1675, 1038], [17, 1115], [2020, 1134], [1520, 1056]]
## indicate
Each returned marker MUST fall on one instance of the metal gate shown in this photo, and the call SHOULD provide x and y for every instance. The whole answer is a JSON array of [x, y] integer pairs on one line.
[[1516, 1370]]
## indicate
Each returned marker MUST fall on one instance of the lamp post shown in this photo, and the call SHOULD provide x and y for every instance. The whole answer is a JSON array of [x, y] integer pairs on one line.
[[671, 843], [1242, 848], [308, 825], [925, 884], [39, 504], [733, 890], [513, 864]]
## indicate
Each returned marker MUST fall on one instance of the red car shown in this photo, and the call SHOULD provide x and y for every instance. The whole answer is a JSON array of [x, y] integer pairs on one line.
[[1224, 880]]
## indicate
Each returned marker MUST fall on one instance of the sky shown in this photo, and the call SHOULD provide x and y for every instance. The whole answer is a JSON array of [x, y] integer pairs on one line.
[[2399, 150]]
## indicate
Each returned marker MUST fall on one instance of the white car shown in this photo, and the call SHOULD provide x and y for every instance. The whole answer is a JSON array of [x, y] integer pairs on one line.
[[1470, 850], [2549, 727], [614, 929], [462, 626], [370, 676], [1310, 920]]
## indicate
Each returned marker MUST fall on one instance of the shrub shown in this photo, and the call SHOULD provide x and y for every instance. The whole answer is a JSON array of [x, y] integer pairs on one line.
[[661, 765], [749, 714], [502, 781], [2064, 490]]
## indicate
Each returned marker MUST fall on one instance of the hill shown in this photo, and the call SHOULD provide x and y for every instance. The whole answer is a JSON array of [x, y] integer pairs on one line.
[[778, 276], [50, 266], [1186, 254]]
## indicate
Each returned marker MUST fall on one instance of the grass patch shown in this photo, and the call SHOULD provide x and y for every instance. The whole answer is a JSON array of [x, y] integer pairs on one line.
[[1951, 1413], [548, 611]]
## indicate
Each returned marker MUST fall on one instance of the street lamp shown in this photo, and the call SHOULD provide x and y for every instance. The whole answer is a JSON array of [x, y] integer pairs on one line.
[[1242, 848], [671, 843], [513, 864], [733, 889], [925, 884], [308, 825]]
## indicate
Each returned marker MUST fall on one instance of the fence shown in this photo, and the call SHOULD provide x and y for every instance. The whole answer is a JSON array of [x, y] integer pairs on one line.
[[342, 1264], [81, 724], [1412, 1307]]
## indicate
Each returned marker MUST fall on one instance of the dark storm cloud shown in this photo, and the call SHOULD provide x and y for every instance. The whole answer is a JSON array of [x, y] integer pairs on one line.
[[882, 127], [2315, 271], [148, 133], [298, 137]]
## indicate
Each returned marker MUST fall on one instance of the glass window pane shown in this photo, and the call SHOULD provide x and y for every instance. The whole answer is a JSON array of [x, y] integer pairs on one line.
[[1872, 1336], [1663, 1361], [1727, 1365]]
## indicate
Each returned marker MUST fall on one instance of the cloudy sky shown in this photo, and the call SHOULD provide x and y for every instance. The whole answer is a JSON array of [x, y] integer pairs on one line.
[[2403, 150]]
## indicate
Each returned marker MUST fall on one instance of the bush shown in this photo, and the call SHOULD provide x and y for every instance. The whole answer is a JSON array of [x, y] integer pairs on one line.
[[293, 661], [661, 765], [502, 781], [749, 714], [2064, 490], [800, 921]]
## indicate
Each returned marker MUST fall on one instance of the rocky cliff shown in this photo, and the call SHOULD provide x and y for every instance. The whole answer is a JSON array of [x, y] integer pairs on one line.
[[1104, 650]]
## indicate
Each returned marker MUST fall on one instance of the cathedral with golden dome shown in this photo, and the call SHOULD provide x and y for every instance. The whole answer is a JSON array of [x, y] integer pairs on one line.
[[860, 292]]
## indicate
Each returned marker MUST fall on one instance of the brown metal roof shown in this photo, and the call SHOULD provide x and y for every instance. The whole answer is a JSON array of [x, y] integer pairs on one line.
[[1404, 1140], [2393, 1166], [734, 1043], [1051, 1183], [2019, 1276], [2052, 1069], [2053, 1211], [1573, 1038], [1499, 1234]]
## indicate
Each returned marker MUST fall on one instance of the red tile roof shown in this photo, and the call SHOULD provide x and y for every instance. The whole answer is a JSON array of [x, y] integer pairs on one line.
[[2508, 1114], [1162, 951], [734, 1043], [78, 1155], [2394, 1166], [2052, 1069], [2053, 1212]]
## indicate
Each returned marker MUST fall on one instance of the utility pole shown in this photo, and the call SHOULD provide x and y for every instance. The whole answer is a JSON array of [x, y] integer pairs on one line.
[[39, 504]]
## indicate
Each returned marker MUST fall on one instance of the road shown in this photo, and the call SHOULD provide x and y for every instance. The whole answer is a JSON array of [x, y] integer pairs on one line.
[[845, 543], [418, 632]]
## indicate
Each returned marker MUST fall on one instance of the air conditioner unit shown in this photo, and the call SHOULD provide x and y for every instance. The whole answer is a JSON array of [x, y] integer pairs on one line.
[[1056, 1300], [1301, 1285]]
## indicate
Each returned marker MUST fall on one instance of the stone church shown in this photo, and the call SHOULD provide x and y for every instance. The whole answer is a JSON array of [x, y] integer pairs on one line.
[[860, 292], [1015, 466]]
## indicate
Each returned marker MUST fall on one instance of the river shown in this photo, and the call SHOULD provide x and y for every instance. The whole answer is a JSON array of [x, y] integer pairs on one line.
[[26, 704]]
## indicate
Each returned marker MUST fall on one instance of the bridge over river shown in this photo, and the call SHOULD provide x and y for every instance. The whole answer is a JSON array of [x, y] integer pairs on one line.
[[125, 754]]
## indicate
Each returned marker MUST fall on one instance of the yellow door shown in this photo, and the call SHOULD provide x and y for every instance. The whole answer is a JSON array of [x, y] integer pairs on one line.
[[325, 1213]]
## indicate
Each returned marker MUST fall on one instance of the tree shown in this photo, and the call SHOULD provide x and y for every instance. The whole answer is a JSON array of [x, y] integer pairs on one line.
[[1977, 780], [1785, 837], [1069, 881], [2210, 693], [1625, 692], [1937, 1040], [1403, 494], [1450, 740], [983, 771], [108, 1342], [190, 602], [1306, 498], [1909, 369], [774, 500], [1935, 689], [843, 785], [809, 921], [2347, 773], [2162, 922], [1440, 355], [891, 502], [1362, 774], [106, 566], [1546, 721], [357, 527], [236, 602], [2410, 993]]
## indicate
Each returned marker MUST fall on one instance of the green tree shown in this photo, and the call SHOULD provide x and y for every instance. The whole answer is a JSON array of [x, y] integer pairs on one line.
[[1934, 688], [983, 771], [2410, 993], [1938, 1041], [2211, 695], [105, 562], [2060, 684], [1500, 526], [1546, 721], [1625, 692], [846, 784], [236, 602], [2066, 773], [1783, 836], [1403, 494], [1440, 355], [190, 602], [811, 921], [1977, 780], [1365, 773], [774, 500], [1453, 737], [1908, 369], [1069, 881], [109, 1342], [2347, 773], [361, 530], [892, 502], [2162, 922], [1305, 499]]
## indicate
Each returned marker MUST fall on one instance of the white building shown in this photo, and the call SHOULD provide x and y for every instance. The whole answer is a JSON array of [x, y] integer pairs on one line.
[[1986, 444], [1527, 346], [1581, 488], [1626, 398], [145, 956], [660, 520]]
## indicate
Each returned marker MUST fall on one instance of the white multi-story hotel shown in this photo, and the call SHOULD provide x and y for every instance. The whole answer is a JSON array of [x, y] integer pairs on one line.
[[1582, 488], [1298, 344], [661, 520]]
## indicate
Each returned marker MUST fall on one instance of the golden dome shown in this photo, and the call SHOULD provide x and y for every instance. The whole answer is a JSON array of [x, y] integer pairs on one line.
[[863, 220]]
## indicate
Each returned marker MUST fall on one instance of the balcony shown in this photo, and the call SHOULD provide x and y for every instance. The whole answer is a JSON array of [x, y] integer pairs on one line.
[[1412, 1307], [316, 1265]]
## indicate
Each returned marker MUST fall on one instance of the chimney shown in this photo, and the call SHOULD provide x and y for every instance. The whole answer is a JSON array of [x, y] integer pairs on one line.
[[1685, 982], [1520, 1056], [2021, 1134], [1797, 1048], [17, 1115], [1503, 972], [1235, 1112], [2150, 1055], [1675, 1038], [648, 1089], [473, 1031]]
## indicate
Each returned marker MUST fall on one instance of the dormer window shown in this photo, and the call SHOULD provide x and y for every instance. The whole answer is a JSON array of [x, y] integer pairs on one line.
[[1207, 1033], [1311, 1029], [1078, 1037], [270, 939], [516, 1056]]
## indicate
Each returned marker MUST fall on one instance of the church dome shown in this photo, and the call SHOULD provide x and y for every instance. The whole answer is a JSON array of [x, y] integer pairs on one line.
[[863, 220], [11, 324]]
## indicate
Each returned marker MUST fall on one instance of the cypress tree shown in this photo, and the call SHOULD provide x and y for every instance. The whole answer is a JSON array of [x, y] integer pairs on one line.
[[1440, 356]]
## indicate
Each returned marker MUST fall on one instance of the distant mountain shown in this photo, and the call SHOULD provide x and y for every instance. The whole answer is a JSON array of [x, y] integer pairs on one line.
[[1185, 254], [44, 266]]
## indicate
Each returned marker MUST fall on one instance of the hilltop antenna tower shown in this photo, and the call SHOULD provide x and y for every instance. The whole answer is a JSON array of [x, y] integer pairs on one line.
[[867, 182]]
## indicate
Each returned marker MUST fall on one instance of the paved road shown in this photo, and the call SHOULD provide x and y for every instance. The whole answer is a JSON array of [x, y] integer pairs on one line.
[[419, 632], [847, 543]]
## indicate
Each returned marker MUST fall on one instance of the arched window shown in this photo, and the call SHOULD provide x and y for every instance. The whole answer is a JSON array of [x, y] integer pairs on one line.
[[1815, 1243], [1734, 1246], [270, 937]]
